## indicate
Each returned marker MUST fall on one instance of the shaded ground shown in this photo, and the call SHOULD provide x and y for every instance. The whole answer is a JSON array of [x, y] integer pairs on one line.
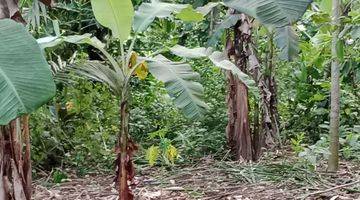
[[211, 180]]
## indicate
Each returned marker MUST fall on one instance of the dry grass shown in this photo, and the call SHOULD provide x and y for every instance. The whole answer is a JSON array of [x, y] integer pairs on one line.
[[274, 178]]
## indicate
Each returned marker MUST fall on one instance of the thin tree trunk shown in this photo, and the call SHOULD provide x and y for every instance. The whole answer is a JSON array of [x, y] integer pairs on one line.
[[333, 163]]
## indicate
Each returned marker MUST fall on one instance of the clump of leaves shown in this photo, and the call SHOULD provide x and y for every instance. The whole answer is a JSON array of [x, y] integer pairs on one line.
[[297, 143], [59, 176], [164, 151]]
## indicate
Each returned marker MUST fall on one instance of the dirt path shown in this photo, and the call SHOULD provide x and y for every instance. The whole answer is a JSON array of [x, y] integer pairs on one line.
[[210, 180]]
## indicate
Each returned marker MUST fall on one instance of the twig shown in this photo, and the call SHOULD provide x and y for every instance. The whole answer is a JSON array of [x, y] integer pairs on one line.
[[330, 189]]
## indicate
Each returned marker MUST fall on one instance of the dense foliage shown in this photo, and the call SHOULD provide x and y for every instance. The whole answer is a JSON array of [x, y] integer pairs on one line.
[[79, 126]]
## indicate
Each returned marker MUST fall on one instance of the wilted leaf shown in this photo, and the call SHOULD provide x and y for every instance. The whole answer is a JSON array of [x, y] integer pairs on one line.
[[142, 70], [133, 59]]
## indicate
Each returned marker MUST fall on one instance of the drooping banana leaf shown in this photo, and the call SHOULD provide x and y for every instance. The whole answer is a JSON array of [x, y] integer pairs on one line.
[[219, 60], [286, 39], [98, 71], [25, 77], [277, 13], [228, 22], [184, 52], [147, 12], [51, 41], [181, 82]]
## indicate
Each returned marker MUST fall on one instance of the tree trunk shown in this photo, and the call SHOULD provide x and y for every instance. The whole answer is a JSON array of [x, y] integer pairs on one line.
[[125, 150], [244, 142], [271, 116], [15, 165], [238, 129], [333, 163]]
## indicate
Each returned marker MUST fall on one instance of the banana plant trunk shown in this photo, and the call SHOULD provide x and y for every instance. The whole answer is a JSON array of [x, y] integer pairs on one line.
[[15, 162], [245, 143], [238, 129], [125, 150]]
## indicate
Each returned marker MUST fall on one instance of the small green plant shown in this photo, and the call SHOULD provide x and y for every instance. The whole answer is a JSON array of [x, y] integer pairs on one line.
[[297, 143], [59, 176], [165, 150]]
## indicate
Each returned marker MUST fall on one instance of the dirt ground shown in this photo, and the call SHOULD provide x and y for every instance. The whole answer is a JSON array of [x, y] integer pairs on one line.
[[212, 180]]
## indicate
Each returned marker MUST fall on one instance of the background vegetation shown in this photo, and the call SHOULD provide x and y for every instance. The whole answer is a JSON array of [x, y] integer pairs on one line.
[[77, 128]]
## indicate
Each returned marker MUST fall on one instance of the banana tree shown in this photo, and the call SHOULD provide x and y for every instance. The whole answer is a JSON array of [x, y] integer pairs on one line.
[[117, 72], [25, 84], [277, 16]]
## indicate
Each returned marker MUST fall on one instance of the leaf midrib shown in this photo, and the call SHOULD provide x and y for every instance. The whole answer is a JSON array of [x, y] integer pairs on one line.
[[12, 87]]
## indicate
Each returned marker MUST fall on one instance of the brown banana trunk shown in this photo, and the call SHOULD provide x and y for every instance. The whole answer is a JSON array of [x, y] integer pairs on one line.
[[238, 129], [125, 150], [15, 166]]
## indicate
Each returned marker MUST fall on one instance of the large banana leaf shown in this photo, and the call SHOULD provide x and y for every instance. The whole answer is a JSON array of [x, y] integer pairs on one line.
[[25, 77], [219, 59], [147, 12], [287, 41], [116, 15], [228, 22], [276, 13], [181, 83], [97, 71]]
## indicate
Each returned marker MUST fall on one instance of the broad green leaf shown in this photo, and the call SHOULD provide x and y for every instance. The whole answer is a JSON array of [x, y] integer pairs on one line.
[[326, 6], [287, 41], [182, 84], [116, 15], [355, 32], [220, 60], [207, 8], [228, 22], [321, 40], [340, 50], [277, 13], [190, 15], [25, 78], [191, 53], [147, 13]]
